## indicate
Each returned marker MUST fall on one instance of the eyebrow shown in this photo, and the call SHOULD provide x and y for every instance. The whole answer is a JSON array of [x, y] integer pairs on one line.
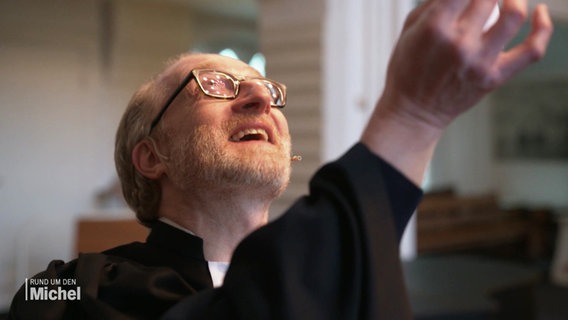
[[213, 65]]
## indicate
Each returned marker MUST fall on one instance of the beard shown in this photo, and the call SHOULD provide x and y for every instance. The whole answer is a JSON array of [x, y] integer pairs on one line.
[[199, 160]]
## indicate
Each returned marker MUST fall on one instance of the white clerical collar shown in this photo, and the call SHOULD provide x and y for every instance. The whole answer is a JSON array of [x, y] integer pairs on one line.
[[217, 269], [175, 225]]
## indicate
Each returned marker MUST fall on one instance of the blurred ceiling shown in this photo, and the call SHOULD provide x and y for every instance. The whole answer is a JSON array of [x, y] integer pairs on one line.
[[247, 9], [240, 9]]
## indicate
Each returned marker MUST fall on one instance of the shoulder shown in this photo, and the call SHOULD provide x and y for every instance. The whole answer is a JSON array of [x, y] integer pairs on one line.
[[362, 182], [130, 251]]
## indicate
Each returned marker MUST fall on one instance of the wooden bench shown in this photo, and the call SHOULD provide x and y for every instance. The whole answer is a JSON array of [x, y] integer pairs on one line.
[[450, 223]]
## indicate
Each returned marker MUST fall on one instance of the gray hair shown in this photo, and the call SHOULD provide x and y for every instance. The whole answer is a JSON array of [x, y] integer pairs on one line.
[[141, 194]]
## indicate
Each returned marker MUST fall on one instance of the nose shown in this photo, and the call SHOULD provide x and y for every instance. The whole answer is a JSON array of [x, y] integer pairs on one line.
[[253, 97]]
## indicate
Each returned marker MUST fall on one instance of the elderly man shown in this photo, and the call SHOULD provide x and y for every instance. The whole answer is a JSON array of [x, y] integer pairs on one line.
[[203, 149]]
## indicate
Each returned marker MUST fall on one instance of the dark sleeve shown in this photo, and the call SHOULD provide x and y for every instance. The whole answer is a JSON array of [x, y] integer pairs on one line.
[[333, 255]]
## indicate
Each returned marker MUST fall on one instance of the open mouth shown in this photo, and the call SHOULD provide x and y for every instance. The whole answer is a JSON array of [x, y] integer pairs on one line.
[[250, 135]]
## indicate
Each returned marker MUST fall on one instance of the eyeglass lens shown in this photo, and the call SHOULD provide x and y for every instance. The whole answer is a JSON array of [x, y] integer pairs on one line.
[[217, 85], [220, 85], [275, 92]]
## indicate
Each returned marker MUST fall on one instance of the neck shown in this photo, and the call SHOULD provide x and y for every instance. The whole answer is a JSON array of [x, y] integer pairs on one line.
[[222, 219]]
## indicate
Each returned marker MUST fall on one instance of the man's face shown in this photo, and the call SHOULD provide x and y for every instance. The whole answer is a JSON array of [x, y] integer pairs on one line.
[[239, 143]]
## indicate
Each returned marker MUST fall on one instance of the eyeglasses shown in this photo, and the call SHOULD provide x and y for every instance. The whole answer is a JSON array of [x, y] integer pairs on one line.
[[222, 85]]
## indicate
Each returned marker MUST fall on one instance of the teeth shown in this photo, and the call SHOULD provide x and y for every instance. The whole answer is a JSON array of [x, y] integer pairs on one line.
[[239, 135]]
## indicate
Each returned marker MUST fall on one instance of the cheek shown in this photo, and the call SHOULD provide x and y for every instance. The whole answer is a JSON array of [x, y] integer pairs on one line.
[[281, 124], [199, 115]]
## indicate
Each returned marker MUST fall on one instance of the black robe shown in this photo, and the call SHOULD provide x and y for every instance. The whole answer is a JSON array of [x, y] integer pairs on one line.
[[333, 255]]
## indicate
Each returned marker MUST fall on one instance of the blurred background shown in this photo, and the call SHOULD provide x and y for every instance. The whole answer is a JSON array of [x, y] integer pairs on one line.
[[497, 190]]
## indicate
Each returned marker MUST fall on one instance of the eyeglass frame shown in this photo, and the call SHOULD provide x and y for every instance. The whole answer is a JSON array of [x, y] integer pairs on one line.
[[236, 81]]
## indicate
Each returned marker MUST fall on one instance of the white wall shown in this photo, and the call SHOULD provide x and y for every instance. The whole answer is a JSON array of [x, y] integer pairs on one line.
[[51, 161], [60, 102], [358, 39]]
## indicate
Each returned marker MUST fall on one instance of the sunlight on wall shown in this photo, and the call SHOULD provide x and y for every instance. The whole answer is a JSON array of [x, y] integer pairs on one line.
[[257, 61], [229, 53]]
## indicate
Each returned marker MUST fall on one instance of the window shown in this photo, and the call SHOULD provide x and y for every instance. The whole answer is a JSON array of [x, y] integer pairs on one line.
[[257, 61]]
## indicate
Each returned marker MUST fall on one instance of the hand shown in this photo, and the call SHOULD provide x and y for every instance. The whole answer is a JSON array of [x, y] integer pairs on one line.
[[444, 62], [442, 65]]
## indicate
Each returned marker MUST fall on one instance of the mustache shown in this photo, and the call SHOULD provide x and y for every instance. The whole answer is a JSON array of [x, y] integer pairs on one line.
[[232, 124]]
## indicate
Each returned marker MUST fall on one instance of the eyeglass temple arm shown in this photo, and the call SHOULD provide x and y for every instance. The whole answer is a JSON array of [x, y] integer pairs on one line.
[[182, 85]]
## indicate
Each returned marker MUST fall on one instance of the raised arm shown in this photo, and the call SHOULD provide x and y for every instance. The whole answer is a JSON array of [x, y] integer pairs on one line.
[[442, 65]]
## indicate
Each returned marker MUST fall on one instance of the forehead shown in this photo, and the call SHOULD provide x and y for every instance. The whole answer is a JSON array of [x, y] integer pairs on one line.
[[220, 63]]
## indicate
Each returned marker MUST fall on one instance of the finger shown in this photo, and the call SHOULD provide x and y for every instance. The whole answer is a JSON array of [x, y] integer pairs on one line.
[[416, 13], [476, 14], [440, 14], [446, 12], [512, 16], [530, 50]]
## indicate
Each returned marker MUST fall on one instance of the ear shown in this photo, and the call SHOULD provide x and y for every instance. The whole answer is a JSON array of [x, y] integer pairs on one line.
[[146, 160]]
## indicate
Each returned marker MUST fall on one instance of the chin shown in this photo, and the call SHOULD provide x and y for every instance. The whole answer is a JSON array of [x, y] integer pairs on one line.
[[266, 170]]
